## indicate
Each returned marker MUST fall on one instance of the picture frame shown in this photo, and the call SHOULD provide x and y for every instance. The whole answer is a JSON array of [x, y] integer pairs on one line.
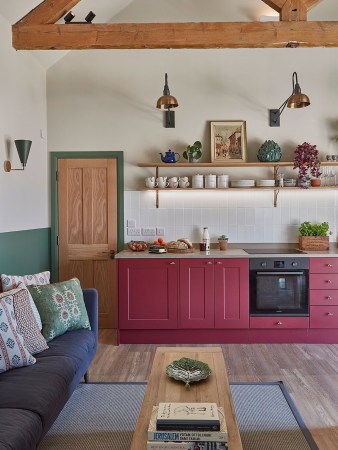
[[228, 141]]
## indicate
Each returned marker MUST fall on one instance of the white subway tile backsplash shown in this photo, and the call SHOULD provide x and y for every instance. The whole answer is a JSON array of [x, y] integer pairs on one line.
[[245, 216]]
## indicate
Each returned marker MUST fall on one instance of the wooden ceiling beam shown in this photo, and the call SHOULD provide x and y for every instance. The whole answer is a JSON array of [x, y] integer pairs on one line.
[[292, 10], [49, 11], [175, 35], [311, 3]]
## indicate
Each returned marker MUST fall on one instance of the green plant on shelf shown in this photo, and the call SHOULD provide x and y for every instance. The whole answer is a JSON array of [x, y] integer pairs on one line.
[[193, 152], [309, 229], [223, 237]]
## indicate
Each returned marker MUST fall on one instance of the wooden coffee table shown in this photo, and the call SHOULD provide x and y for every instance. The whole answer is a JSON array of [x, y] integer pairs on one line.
[[161, 388]]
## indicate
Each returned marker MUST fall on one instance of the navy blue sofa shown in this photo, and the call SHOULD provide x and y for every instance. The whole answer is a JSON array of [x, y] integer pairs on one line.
[[32, 397]]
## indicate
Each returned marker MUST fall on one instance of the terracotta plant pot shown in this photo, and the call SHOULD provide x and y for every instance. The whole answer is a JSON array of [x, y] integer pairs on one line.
[[315, 182], [223, 244]]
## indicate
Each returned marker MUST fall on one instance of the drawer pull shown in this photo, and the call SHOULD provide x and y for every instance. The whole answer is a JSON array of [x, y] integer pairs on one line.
[[329, 314], [329, 281], [219, 262], [209, 262], [172, 262], [279, 323], [329, 265], [328, 298]]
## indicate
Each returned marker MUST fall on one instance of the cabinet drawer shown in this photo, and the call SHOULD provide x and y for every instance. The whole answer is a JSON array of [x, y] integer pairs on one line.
[[323, 265], [323, 297], [324, 317], [279, 322], [323, 281]]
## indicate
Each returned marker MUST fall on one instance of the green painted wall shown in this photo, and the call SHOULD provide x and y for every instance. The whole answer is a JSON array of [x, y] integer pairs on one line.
[[25, 252]]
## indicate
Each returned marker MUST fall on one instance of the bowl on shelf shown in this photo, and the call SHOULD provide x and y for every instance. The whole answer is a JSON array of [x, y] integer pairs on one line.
[[265, 183], [290, 182], [137, 246]]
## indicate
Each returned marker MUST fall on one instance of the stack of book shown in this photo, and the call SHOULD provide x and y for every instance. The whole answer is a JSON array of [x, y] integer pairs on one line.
[[187, 426]]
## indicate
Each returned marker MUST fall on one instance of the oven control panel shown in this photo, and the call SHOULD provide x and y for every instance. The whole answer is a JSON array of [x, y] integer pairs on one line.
[[288, 263]]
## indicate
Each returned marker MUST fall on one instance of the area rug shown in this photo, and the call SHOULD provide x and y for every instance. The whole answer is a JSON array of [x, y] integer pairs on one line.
[[101, 416]]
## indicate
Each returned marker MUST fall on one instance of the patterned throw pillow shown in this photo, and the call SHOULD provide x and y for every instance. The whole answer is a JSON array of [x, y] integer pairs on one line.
[[26, 322], [12, 281], [13, 352], [61, 307]]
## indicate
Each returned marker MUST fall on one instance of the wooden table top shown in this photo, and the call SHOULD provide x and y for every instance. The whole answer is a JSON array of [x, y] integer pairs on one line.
[[161, 388]]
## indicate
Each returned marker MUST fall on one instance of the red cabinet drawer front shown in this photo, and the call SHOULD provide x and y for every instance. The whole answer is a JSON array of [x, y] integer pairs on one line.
[[323, 265], [279, 322], [323, 297], [324, 281], [324, 317]]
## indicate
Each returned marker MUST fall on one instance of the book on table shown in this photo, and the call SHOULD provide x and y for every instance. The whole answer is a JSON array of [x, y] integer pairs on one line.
[[188, 416], [151, 445], [187, 435]]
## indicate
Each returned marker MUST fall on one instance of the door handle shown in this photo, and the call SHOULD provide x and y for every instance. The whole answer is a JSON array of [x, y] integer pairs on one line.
[[279, 323], [110, 253]]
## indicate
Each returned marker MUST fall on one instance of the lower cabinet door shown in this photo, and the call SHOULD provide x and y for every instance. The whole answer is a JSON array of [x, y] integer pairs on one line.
[[279, 323], [323, 316], [196, 293], [232, 293], [148, 291]]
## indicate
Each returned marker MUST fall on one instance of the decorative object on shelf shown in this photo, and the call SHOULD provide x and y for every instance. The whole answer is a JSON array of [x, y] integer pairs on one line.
[[314, 236], [150, 182], [210, 181], [193, 152], [23, 147], [162, 182], [169, 157], [270, 151], [188, 370], [222, 181], [173, 182], [290, 182], [183, 182], [197, 181], [223, 242], [167, 102], [296, 100], [315, 182], [306, 160], [228, 141]]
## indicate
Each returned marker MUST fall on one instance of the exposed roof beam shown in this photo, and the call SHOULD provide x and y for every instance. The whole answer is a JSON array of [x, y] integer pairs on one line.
[[175, 35], [49, 11], [292, 10]]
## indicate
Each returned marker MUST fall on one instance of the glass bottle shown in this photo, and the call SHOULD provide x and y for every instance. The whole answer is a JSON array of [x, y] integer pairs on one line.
[[206, 238]]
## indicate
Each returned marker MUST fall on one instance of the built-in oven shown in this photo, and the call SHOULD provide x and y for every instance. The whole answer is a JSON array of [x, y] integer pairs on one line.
[[279, 286]]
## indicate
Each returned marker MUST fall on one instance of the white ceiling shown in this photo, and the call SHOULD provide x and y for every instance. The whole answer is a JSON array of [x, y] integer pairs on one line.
[[160, 11]]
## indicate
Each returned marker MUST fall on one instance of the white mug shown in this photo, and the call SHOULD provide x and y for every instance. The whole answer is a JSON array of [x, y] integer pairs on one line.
[[173, 182], [150, 182], [162, 182], [183, 182]]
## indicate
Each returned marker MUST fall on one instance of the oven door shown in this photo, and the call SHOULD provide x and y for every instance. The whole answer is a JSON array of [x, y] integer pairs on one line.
[[274, 292]]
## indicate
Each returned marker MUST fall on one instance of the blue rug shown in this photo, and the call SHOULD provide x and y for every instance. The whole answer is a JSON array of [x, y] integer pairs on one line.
[[102, 416]]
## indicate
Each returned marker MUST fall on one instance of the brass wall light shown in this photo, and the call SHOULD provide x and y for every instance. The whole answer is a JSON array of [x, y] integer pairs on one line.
[[296, 100], [166, 102], [23, 147]]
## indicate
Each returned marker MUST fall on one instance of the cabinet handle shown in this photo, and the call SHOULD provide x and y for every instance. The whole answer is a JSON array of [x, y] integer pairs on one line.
[[172, 262], [328, 298], [279, 323], [329, 265], [329, 314], [209, 262], [219, 262], [329, 281]]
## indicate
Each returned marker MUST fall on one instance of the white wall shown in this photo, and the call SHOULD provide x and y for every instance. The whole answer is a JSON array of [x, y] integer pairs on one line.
[[24, 195], [105, 100]]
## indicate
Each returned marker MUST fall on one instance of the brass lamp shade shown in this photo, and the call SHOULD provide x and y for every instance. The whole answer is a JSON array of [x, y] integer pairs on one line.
[[23, 147], [166, 102], [298, 101]]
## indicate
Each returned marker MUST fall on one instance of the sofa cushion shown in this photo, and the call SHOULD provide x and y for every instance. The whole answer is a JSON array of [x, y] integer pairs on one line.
[[13, 352], [12, 281], [61, 307], [20, 429], [26, 321]]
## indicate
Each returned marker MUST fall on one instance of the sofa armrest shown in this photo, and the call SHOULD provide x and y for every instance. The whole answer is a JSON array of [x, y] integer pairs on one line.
[[92, 305]]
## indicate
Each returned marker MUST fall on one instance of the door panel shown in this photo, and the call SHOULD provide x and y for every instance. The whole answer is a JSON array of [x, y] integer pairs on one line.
[[87, 212]]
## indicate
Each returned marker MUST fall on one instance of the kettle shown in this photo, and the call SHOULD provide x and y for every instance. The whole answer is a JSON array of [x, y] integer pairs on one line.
[[170, 157]]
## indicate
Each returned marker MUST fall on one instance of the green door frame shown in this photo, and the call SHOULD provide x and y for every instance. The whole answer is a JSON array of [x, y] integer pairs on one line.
[[55, 156]]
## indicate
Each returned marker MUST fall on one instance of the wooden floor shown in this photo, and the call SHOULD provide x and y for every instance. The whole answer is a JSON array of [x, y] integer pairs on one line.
[[309, 371]]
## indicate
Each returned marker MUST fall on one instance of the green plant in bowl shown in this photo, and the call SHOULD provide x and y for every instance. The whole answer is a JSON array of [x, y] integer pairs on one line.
[[193, 152]]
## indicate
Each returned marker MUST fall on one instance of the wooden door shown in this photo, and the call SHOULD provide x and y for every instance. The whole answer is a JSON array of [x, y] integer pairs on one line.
[[87, 214], [232, 293], [196, 293]]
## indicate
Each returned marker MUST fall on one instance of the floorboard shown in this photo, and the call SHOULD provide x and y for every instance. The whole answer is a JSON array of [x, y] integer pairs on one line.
[[309, 371]]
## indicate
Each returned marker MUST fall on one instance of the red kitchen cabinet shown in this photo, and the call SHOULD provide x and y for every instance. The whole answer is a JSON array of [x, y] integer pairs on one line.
[[148, 291], [231, 293], [196, 293], [214, 293]]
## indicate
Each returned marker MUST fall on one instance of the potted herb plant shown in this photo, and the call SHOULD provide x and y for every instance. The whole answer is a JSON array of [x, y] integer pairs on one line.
[[223, 242], [306, 160], [193, 152], [314, 236]]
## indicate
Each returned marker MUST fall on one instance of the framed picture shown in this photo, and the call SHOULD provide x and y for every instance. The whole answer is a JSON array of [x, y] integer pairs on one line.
[[228, 141]]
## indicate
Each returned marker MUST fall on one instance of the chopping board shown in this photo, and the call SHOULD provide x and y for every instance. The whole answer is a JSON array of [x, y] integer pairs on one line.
[[180, 250]]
